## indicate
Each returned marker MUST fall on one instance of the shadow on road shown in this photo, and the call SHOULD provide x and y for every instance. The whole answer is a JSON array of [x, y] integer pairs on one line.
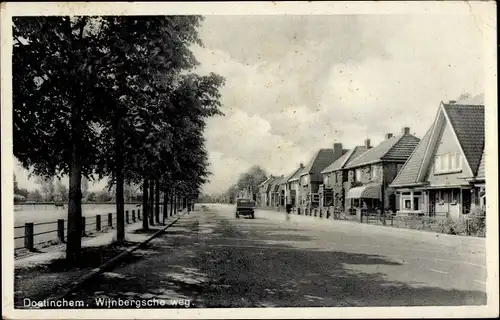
[[217, 272]]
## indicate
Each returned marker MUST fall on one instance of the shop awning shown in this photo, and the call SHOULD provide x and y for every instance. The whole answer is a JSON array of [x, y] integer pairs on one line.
[[369, 192]]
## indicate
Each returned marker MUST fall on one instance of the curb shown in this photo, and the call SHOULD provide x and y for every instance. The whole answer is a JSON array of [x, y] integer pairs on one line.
[[77, 284]]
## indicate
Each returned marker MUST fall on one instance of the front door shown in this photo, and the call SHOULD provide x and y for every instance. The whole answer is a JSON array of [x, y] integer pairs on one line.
[[466, 201], [432, 202]]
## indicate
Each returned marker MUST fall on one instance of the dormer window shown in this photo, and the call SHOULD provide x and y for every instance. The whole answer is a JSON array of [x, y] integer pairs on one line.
[[447, 163]]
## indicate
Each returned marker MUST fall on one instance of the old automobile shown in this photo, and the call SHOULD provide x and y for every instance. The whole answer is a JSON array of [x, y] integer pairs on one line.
[[245, 207]]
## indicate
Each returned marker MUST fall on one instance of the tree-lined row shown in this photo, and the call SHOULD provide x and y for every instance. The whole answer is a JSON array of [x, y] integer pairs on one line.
[[113, 97]]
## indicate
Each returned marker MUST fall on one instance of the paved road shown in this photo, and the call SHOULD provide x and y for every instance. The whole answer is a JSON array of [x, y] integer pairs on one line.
[[216, 260]]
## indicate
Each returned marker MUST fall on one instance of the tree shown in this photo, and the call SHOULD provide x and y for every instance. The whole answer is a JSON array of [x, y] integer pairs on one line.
[[47, 189], [56, 61], [111, 96], [85, 187], [61, 191], [91, 197], [35, 195]]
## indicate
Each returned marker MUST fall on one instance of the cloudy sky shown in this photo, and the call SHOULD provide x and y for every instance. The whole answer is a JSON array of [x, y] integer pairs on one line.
[[295, 84]]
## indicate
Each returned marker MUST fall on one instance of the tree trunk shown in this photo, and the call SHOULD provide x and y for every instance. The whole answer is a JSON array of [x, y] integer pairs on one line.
[[157, 199], [120, 205], [165, 204], [145, 204], [151, 202], [74, 240], [172, 203]]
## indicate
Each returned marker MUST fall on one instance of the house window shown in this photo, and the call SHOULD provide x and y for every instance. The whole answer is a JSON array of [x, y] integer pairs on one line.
[[406, 200], [416, 201], [407, 204], [373, 172], [447, 162], [455, 194], [305, 180], [358, 175]]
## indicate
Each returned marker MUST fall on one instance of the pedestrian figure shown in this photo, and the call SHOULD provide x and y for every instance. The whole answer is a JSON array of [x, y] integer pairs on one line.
[[288, 210]]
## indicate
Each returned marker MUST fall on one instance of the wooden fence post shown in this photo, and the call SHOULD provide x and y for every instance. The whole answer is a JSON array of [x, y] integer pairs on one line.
[[83, 226], [98, 222], [29, 242], [60, 229]]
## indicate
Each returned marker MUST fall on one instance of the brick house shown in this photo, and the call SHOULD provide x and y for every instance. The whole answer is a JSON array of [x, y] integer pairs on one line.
[[291, 186], [263, 198], [445, 175], [277, 193], [369, 175], [332, 193], [311, 178]]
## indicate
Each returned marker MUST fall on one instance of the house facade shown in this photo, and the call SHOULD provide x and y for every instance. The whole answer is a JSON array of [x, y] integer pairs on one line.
[[290, 185], [445, 175], [332, 192], [370, 174], [276, 193], [311, 177], [263, 199]]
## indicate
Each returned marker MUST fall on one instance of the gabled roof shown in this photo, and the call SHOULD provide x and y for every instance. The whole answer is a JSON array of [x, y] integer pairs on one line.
[[480, 170], [319, 161], [275, 184], [348, 155], [468, 123], [395, 148], [408, 173], [296, 175], [288, 177], [264, 182]]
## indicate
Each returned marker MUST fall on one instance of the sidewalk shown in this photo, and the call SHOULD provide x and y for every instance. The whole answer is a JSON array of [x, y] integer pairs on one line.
[[40, 275], [474, 243]]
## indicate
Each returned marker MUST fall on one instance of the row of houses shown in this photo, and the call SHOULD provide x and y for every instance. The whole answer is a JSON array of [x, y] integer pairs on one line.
[[442, 173]]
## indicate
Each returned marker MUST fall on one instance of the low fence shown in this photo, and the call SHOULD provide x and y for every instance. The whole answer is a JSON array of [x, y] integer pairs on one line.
[[439, 222], [30, 235]]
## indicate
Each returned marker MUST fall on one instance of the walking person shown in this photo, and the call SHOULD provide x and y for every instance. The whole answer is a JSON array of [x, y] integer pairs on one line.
[[288, 210]]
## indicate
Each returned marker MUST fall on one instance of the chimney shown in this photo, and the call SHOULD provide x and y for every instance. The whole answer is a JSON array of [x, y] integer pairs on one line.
[[337, 151], [452, 102], [388, 135], [367, 143], [405, 130], [301, 165]]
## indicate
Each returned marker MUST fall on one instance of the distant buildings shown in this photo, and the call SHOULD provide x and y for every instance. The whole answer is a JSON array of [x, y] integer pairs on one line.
[[442, 173]]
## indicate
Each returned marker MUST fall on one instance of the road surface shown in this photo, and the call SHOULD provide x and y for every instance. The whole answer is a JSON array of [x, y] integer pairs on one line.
[[213, 259]]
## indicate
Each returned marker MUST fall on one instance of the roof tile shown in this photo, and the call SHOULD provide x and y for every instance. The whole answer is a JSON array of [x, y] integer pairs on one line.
[[395, 148], [409, 171], [468, 124]]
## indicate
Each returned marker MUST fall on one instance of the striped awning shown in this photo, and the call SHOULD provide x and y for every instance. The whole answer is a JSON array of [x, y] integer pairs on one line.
[[369, 192]]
